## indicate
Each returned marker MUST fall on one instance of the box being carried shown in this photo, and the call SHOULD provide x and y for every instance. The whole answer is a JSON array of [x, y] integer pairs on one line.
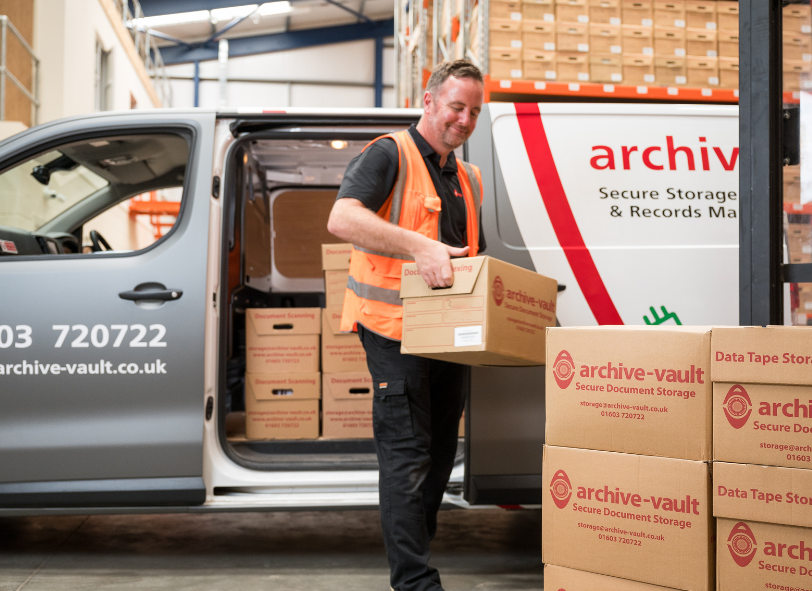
[[494, 314], [282, 339]]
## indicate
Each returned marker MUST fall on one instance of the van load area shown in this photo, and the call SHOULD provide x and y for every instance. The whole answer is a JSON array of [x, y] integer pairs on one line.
[[295, 392]]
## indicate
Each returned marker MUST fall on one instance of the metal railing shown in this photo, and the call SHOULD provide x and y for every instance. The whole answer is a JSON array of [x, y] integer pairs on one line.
[[147, 49], [5, 74]]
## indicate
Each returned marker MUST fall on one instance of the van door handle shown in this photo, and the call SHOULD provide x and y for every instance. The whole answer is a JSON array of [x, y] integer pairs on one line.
[[166, 295]]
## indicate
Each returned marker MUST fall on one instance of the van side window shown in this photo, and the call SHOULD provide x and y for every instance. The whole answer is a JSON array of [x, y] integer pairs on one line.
[[116, 193]]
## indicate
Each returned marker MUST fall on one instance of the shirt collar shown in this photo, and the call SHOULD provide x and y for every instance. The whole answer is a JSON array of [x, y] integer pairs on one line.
[[426, 151]]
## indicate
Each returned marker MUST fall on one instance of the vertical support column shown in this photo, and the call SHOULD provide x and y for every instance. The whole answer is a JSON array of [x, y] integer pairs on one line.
[[378, 72], [197, 83], [760, 174]]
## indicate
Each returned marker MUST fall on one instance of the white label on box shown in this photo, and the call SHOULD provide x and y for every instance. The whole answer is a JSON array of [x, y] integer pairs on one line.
[[679, 51], [583, 47], [614, 21], [617, 78], [541, 85], [616, 49], [807, 57], [806, 29], [648, 51], [647, 22], [467, 336], [582, 18], [516, 16], [550, 75], [710, 25], [711, 53], [648, 78], [516, 44], [610, 87], [549, 47], [583, 77], [515, 73], [679, 24], [574, 86], [806, 249], [681, 80], [643, 89], [807, 305], [505, 84], [713, 81], [549, 17]]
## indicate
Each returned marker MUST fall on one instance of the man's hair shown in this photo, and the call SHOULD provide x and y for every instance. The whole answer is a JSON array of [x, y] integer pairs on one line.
[[457, 69]]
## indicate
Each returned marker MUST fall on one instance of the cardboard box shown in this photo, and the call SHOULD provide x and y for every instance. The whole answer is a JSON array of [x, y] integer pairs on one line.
[[282, 339], [572, 37], [282, 405], [670, 71], [729, 44], [638, 70], [509, 68], [573, 13], [541, 2], [762, 424], [637, 13], [728, 72], [506, 54], [538, 12], [538, 35], [759, 355], [347, 406], [605, 38], [511, 10], [762, 493], [494, 314], [336, 257], [700, 14], [635, 517], [669, 13], [727, 14], [797, 19], [701, 43], [605, 12], [340, 352], [703, 71], [641, 390], [669, 41], [797, 46], [539, 65], [335, 288], [796, 75], [572, 67], [558, 578], [605, 68], [638, 40], [755, 556], [506, 39], [504, 24]]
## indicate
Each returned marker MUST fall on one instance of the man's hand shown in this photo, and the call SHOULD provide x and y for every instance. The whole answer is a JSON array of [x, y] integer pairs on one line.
[[434, 262]]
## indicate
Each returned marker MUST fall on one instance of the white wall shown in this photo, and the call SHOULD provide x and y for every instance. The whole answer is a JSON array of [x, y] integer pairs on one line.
[[270, 80], [65, 33]]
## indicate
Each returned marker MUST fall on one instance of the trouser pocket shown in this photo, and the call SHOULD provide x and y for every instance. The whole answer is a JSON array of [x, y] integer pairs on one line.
[[391, 412]]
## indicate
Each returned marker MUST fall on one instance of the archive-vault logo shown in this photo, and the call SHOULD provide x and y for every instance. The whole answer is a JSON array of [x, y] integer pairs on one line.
[[742, 544], [498, 290], [563, 369], [560, 489], [737, 406]]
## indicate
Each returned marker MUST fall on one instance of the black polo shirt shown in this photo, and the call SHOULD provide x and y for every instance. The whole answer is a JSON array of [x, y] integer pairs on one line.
[[371, 175]]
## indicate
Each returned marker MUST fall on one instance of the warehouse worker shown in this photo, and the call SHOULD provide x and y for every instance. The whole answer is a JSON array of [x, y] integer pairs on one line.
[[407, 198]]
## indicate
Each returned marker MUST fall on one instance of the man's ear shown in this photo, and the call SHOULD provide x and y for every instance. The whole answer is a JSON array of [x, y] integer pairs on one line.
[[428, 102]]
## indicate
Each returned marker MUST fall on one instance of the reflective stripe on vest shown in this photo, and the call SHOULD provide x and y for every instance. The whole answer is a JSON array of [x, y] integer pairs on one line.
[[373, 288]]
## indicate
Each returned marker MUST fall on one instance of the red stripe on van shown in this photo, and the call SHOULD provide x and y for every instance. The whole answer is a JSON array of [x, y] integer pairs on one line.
[[561, 216]]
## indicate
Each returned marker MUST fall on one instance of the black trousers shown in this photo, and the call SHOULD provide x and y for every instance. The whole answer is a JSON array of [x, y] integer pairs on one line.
[[416, 412]]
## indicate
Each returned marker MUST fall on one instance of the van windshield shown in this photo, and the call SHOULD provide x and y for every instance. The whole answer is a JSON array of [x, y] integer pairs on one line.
[[38, 190]]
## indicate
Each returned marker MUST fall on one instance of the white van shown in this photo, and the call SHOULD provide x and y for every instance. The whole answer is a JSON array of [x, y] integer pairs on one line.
[[121, 369]]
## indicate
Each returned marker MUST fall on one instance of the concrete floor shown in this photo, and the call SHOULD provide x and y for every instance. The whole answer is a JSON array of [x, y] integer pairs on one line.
[[488, 549]]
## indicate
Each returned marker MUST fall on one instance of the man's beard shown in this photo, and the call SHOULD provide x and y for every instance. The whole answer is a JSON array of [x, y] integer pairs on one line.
[[450, 140]]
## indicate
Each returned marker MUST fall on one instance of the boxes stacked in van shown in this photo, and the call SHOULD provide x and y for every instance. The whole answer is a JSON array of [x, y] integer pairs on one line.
[[627, 499], [635, 42]]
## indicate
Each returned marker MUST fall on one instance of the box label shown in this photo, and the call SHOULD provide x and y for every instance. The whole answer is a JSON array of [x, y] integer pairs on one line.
[[466, 336]]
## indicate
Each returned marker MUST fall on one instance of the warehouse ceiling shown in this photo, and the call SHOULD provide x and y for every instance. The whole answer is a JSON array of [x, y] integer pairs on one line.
[[196, 21]]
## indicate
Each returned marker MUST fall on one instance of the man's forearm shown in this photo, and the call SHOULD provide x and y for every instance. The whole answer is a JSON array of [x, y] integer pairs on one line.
[[360, 226]]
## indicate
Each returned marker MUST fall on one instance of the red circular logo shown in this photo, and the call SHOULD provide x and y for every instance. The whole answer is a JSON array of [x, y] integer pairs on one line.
[[737, 406], [498, 290], [742, 544], [560, 489], [563, 369]]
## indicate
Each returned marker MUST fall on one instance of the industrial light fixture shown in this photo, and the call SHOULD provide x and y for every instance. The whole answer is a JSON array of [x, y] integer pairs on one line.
[[338, 144], [216, 15]]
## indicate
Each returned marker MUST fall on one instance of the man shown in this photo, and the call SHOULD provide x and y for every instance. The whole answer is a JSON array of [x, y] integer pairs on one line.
[[406, 197]]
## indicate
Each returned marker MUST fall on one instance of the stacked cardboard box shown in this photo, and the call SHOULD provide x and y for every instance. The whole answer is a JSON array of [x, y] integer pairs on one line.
[[797, 31], [347, 385], [626, 463], [762, 423], [282, 381]]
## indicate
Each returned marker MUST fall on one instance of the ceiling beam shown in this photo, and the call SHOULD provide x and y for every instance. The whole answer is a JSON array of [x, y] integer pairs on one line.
[[161, 7], [242, 46]]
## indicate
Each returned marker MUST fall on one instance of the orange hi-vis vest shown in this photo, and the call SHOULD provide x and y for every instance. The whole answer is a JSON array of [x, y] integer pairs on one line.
[[373, 289]]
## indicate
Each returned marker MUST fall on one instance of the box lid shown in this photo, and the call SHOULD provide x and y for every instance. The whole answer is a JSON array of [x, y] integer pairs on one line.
[[284, 321], [700, 6], [669, 33], [466, 273], [701, 34], [537, 26], [603, 30], [335, 257], [348, 386]]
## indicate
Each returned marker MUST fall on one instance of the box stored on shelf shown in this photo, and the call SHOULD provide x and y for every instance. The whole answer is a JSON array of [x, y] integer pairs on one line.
[[506, 39], [538, 35], [282, 339], [635, 517], [501, 9], [504, 24], [505, 68], [494, 314], [539, 65], [761, 355], [641, 390], [638, 69], [282, 405], [670, 71], [797, 46], [577, 11], [340, 352], [703, 71], [347, 405], [539, 12], [572, 66], [638, 40], [701, 43], [669, 41], [569, 579], [762, 493], [605, 38], [729, 72], [638, 13], [796, 18], [700, 14], [727, 14], [604, 12], [753, 556], [605, 68], [669, 13], [572, 37], [729, 44]]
